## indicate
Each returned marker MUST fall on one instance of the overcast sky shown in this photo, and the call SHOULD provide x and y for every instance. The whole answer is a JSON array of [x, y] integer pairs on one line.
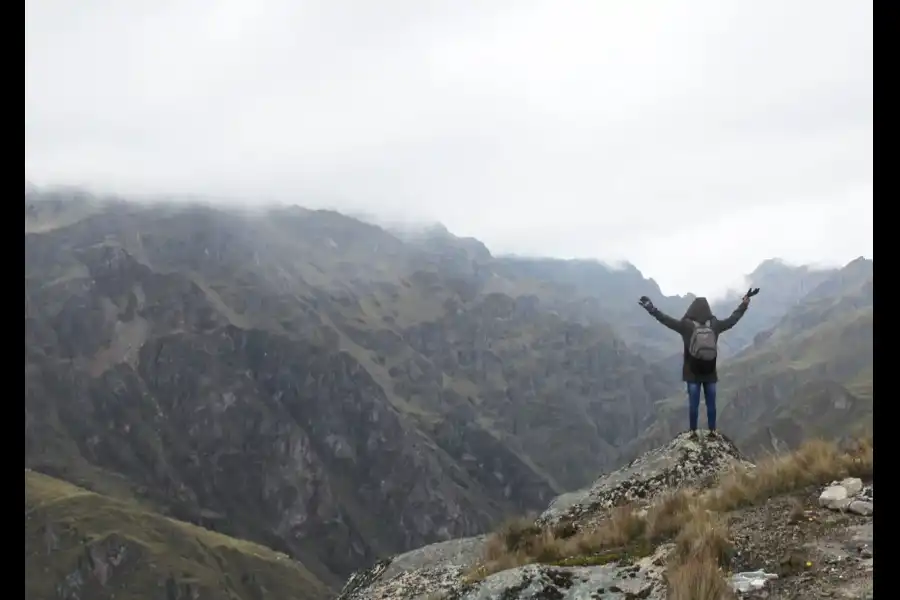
[[694, 138]]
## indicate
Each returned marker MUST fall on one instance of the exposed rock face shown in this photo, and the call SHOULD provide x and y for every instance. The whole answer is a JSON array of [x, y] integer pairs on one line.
[[539, 582], [434, 568], [445, 580], [684, 461], [308, 381]]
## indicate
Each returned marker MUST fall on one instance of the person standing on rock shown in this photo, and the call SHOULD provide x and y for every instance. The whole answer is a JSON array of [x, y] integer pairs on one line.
[[700, 330]]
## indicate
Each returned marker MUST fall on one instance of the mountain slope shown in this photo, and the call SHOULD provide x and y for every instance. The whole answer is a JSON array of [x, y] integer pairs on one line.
[[306, 380], [782, 287], [809, 375], [83, 545], [587, 291]]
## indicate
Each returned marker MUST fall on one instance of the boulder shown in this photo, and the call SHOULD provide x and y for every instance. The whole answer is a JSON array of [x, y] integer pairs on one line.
[[861, 507], [853, 486], [683, 462], [833, 496]]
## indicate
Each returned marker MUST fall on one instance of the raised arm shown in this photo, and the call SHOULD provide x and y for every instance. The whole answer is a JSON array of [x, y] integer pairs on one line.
[[726, 324], [670, 322]]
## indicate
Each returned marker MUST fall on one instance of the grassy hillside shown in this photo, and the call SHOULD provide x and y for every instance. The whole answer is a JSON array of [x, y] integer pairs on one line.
[[79, 544]]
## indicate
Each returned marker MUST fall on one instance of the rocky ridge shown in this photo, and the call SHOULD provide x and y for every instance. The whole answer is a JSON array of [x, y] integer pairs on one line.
[[684, 462], [640, 579], [439, 571], [790, 546]]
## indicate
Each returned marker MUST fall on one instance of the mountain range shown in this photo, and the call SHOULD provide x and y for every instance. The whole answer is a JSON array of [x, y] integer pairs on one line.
[[337, 391]]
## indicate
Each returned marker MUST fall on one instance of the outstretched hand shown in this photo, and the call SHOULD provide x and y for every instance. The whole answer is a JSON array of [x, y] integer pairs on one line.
[[750, 293], [645, 303]]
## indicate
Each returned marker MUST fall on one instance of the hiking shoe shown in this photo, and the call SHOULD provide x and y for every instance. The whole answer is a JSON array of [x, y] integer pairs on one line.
[[713, 434], [693, 435]]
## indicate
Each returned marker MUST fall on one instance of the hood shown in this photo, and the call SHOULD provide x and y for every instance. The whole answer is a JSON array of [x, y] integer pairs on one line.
[[699, 311]]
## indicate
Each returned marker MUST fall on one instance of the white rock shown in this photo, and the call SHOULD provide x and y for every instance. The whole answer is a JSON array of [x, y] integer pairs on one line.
[[832, 496], [840, 504], [853, 486], [751, 580], [861, 507]]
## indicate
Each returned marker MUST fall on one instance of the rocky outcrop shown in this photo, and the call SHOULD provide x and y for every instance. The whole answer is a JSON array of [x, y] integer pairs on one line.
[[439, 571], [795, 544], [685, 461], [446, 580], [643, 579]]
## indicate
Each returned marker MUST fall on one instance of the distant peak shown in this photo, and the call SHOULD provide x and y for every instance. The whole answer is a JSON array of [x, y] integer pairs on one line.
[[773, 265]]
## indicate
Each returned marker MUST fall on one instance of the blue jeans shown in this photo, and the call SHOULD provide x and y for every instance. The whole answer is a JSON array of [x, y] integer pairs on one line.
[[709, 397]]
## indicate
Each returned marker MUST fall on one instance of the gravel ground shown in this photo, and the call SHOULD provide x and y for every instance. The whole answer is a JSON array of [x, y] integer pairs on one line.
[[817, 553]]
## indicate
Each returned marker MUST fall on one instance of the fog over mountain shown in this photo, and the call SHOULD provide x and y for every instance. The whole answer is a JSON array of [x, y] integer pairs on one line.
[[543, 128]]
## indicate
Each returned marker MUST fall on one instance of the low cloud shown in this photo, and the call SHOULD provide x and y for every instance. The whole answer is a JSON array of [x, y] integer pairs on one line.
[[693, 139]]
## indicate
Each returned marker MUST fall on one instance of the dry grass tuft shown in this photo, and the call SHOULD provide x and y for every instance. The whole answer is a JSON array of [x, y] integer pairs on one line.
[[702, 549], [698, 580], [816, 462], [519, 542], [667, 516], [517, 534], [624, 525], [704, 537]]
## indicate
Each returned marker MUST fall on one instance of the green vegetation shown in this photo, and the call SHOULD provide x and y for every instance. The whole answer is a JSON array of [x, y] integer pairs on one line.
[[82, 544]]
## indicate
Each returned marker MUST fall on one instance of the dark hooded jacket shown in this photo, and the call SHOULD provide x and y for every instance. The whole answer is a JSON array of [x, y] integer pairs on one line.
[[700, 312]]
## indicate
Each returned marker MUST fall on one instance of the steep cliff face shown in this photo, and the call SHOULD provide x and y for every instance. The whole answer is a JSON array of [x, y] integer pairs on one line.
[[306, 380], [262, 436]]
